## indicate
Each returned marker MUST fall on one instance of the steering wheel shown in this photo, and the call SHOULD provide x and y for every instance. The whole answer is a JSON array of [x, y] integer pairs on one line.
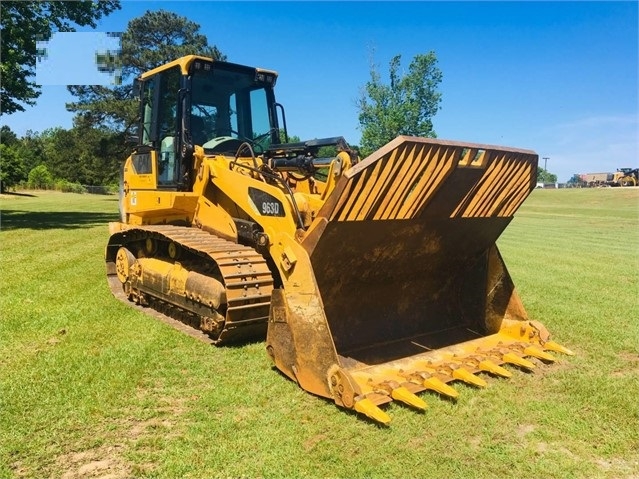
[[222, 144], [255, 142]]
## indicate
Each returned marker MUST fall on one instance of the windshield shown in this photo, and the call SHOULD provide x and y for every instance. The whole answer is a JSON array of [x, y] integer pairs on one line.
[[230, 103]]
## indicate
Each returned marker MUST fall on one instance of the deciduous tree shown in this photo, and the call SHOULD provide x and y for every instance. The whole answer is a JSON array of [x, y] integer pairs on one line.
[[40, 178], [544, 176], [404, 106], [12, 169]]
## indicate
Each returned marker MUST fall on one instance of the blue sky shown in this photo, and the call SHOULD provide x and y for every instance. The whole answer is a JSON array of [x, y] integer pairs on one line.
[[57, 67], [556, 77]]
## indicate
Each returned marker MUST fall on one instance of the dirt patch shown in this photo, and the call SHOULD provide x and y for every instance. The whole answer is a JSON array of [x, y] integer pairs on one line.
[[632, 358], [154, 425], [629, 357], [622, 468], [107, 462], [541, 447], [524, 429], [475, 442], [121, 435], [311, 442], [632, 364], [549, 370], [103, 463]]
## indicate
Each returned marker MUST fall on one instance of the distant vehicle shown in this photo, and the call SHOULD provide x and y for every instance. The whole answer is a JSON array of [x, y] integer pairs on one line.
[[626, 177], [622, 177], [593, 180]]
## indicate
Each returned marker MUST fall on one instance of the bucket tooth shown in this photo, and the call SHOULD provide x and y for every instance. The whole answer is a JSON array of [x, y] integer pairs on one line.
[[365, 406], [512, 358], [440, 386], [490, 367], [468, 377], [404, 395], [553, 346], [539, 354]]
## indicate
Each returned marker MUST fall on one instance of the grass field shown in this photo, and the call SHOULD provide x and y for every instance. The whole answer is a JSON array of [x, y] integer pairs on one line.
[[91, 388]]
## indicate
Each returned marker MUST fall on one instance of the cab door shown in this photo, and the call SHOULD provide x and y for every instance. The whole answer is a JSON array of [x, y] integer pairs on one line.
[[155, 163]]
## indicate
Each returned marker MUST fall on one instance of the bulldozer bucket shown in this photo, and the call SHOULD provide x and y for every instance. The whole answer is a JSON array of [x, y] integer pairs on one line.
[[408, 289]]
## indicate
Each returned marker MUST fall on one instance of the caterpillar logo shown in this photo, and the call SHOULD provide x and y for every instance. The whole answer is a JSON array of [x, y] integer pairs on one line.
[[265, 204]]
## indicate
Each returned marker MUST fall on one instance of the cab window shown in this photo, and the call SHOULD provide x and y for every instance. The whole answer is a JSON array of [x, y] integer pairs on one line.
[[167, 121]]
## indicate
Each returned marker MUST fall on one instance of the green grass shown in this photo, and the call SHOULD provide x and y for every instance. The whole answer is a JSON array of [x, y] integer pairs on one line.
[[89, 387]]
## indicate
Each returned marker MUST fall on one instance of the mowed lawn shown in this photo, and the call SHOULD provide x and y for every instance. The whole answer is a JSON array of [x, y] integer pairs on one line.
[[92, 388]]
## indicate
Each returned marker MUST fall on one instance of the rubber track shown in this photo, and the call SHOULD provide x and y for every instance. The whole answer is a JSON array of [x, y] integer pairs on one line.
[[245, 274]]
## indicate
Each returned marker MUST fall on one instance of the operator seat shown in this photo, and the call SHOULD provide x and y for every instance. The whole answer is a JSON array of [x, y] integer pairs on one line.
[[199, 134]]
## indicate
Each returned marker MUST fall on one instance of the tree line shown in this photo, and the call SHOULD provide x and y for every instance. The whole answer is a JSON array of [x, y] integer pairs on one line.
[[92, 151], [61, 159]]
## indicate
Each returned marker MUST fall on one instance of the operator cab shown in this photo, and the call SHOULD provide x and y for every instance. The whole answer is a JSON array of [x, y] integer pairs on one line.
[[198, 101]]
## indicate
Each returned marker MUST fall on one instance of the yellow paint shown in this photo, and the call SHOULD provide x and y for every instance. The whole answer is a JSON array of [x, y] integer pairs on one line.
[[404, 395], [365, 406]]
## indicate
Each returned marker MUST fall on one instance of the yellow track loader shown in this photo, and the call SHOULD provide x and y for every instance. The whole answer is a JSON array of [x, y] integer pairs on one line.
[[626, 177], [371, 280]]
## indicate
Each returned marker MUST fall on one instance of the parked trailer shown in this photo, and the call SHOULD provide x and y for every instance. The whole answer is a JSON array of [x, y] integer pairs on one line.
[[593, 180]]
